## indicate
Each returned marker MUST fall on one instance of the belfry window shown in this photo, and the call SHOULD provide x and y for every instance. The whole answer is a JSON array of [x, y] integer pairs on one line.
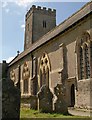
[[44, 24]]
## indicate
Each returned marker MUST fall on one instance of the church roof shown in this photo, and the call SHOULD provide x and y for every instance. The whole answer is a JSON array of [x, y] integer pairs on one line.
[[72, 20]]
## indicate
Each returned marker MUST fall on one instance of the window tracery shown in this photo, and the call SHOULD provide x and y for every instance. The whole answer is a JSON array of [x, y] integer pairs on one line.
[[84, 56], [44, 70], [87, 66], [81, 64]]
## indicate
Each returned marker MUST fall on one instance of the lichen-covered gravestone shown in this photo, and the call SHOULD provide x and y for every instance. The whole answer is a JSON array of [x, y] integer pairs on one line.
[[61, 104], [10, 100], [33, 102], [10, 97], [45, 99]]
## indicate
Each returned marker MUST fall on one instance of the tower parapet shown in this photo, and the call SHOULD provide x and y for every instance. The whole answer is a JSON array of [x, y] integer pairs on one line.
[[42, 10], [39, 20]]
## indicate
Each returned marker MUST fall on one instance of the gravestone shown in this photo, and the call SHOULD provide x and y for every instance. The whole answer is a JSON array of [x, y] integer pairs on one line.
[[61, 104], [10, 96], [33, 102], [45, 99], [10, 100]]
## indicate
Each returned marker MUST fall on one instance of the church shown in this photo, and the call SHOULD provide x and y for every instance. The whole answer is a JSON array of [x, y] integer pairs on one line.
[[55, 55]]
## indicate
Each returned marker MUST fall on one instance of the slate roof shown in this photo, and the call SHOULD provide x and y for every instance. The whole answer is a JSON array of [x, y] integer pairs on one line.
[[84, 11]]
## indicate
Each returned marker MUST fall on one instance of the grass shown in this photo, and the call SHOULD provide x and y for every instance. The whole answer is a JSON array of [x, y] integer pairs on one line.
[[29, 113]]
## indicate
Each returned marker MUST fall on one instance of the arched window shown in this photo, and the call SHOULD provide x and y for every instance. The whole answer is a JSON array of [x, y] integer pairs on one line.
[[91, 59], [44, 70], [84, 58], [87, 66], [81, 64]]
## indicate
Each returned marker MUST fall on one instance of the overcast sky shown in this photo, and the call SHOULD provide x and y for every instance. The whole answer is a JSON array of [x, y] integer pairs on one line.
[[13, 22]]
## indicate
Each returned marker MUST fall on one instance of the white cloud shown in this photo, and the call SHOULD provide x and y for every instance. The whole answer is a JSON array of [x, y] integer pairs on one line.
[[7, 10], [23, 27], [9, 59], [21, 3], [4, 4], [24, 3]]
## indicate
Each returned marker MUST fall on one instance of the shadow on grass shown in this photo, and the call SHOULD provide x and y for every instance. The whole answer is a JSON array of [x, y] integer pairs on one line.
[[57, 113]]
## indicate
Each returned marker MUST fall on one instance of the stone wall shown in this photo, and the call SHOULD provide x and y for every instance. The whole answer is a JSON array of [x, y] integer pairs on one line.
[[83, 94]]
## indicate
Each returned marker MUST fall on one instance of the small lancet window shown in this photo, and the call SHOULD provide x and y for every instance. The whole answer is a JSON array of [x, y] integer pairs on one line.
[[44, 24]]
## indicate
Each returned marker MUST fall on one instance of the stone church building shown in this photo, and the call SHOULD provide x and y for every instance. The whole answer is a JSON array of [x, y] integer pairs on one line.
[[56, 55]]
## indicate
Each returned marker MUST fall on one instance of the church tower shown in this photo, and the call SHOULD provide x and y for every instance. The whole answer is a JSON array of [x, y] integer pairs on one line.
[[37, 23]]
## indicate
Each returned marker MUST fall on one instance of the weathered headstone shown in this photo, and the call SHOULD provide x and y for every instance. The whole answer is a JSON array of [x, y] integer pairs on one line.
[[45, 99], [33, 102], [61, 104], [10, 96]]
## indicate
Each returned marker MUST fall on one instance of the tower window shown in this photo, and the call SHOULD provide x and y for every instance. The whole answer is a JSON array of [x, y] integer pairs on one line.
[[44, 24]]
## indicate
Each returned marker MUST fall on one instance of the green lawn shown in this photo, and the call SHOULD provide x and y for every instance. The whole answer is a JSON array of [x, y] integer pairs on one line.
[[28, 113]]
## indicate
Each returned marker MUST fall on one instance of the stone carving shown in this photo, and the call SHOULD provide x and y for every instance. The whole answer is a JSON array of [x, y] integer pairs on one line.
[[45, 99], [12, 76], [26, 72], [61, 104]]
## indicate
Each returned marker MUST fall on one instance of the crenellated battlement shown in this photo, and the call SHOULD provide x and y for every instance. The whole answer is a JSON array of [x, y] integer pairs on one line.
[[42, 10], [39, 20]]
